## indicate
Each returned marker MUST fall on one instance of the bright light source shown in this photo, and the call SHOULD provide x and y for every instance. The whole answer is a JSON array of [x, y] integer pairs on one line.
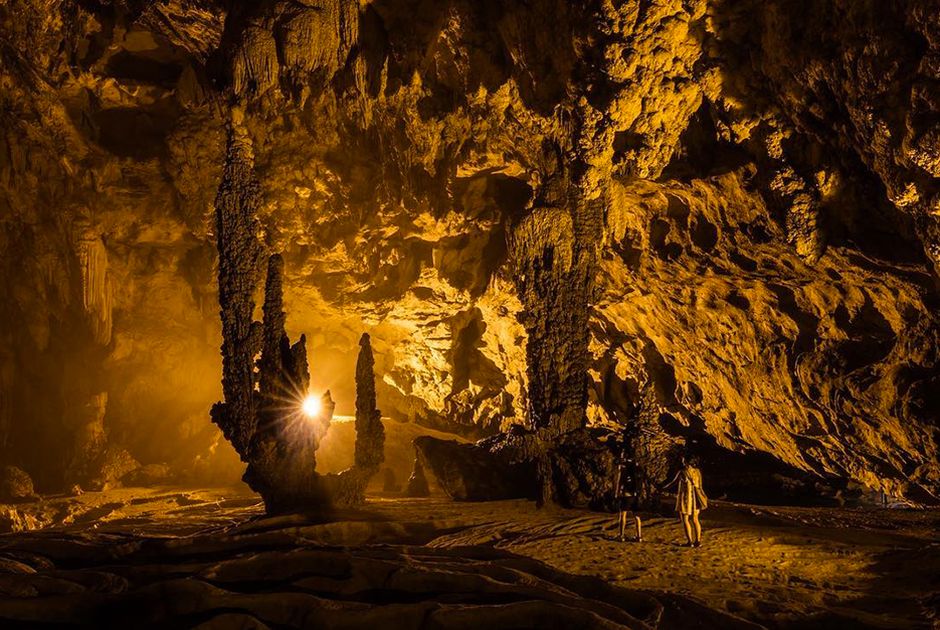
[[311, 406]]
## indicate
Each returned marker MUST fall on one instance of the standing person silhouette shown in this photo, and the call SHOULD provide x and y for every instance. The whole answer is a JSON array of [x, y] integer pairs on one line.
[[690, 500], [626, 493]]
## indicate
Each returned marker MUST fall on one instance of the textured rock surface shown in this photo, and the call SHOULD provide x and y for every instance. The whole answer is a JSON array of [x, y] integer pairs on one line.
[[469, 472], [15, 485], [261, 415], [213, 550], [218, 563], [370, 434], [417, 482], [733, 202]]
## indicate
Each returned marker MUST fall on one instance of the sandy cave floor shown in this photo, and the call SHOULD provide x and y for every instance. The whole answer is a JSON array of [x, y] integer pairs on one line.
[[204, 558]]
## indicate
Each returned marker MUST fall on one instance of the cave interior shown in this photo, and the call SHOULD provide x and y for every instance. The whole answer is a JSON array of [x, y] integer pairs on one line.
[[345, 312]]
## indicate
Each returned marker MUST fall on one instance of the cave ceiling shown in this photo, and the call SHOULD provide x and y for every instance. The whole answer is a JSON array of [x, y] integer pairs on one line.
[[756, 189]]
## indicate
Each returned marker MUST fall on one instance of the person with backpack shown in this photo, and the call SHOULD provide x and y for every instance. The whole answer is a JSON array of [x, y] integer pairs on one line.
[[626, 494]]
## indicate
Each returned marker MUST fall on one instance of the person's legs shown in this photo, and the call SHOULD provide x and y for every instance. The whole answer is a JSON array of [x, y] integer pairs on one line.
[[639, 527], [623, 524], [698, 527], [687, 527]]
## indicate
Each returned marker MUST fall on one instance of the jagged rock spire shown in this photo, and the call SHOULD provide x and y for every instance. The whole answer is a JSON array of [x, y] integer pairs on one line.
[[240, 257], [262, 425], [370, 434]]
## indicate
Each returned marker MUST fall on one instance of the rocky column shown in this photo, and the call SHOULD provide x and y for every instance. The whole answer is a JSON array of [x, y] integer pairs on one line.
[[554, 262], [240, 258], [370, 433], [551, 283], [282, 453], [265, 427], [417, 483], [349, 486], [653, 449]]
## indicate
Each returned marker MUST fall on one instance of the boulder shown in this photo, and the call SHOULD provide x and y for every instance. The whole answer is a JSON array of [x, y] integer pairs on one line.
[[13, 520], [115, 464], [148, 475], [469, 472], [15, 485], [583, 469]]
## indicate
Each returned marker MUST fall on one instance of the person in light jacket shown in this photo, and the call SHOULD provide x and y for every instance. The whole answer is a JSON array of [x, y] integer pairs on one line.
[[690, 500]]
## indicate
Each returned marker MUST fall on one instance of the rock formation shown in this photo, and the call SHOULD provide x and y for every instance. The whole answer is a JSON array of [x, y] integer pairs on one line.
[[265, 425], [533, 208], [470, 472], [370, 434], [418, 482], [15, 485], [389, 481], [349, 486], [316, 576]]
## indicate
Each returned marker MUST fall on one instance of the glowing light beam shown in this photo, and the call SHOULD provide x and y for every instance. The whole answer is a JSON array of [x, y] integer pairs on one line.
[[311, 406]]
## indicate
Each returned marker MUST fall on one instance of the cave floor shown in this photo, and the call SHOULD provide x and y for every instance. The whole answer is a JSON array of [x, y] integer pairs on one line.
[[211, 558], [778, 566]]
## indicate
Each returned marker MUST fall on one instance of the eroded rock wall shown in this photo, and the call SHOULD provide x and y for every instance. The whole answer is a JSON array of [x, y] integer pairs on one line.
[[746, 194]]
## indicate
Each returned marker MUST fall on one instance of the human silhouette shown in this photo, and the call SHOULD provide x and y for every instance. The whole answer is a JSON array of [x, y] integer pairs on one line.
[[690, 500], [626, 493]]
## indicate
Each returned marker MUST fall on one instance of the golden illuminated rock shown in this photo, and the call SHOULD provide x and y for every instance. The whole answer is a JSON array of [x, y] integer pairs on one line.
[[534, 209]]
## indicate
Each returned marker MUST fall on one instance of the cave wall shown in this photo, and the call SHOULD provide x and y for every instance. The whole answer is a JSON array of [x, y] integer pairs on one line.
[[748, 190]]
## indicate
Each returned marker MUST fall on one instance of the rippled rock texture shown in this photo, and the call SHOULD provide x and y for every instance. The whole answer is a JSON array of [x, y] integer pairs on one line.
[[211, 561], [543, 213]]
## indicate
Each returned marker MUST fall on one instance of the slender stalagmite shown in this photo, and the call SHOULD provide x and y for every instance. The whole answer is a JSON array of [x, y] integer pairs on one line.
[[265, 425], [370, 434]]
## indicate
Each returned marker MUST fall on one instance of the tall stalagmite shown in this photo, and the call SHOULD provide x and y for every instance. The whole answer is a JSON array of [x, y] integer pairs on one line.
[[265, 426], [349, 486], [240, 258], [370, 433]]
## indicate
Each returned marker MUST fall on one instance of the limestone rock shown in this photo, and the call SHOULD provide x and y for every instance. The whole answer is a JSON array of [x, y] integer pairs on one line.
[[417, 483], [389, 482], [148, 475], [15, 485], [468, 472], [370, 434], [116, 463], [532, 209]]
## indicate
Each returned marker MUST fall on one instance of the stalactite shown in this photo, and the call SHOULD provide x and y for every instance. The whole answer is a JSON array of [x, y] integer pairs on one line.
[[320, 37], [798, 198], [300, 46], [255, 66], [96, 287], [310, 41]]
